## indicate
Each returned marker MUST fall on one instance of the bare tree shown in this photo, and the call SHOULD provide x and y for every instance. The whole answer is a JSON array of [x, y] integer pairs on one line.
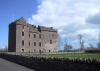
[[5, 49], [81, 42], [91, 47], [98, 44], [60, 43], [67, 46]]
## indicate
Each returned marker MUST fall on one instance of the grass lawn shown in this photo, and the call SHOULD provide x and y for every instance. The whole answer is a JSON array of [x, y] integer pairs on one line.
[[73, 55]]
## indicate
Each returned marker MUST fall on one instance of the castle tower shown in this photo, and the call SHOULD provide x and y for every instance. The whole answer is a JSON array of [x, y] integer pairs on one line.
[[25, 37]]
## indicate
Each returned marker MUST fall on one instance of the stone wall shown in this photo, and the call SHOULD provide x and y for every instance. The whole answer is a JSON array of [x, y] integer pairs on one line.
[[54, 64]]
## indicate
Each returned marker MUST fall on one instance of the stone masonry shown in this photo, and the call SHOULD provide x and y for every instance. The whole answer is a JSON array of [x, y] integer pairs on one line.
[[24, 37]]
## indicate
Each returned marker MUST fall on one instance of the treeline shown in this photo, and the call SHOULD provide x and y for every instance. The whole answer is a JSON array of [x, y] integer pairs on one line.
[[5, 49], [82, 47]]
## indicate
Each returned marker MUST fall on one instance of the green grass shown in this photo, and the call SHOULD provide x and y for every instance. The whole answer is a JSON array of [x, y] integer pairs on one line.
[[74, 55]]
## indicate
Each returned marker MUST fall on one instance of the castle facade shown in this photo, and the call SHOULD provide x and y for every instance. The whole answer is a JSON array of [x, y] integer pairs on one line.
[[25, 37]]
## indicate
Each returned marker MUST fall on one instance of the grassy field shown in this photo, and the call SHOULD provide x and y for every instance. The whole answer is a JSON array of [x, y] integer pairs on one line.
[[74, 55]]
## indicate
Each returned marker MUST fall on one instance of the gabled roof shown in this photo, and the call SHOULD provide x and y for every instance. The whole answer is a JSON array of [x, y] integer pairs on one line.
[[20, 21]]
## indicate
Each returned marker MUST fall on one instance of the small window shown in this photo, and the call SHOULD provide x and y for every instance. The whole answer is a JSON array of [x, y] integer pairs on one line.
[[29, 35], [22, 42], [22, 50], [50, 41], [22, 33], [40, 51], [40, 44], [23, 27], [29, 43], [34, 43], [49, 51], [52, 35], [39, 35], [34, 50], [34, 35]]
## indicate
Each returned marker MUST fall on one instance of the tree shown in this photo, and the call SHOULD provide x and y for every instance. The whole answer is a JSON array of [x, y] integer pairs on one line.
[[81, 42], [60, 43], [67, 46], [98, 44], [5, 49], [91, 47]]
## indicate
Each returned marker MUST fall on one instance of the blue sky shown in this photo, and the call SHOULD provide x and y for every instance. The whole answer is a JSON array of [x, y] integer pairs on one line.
[[11, 10], [69, 17]]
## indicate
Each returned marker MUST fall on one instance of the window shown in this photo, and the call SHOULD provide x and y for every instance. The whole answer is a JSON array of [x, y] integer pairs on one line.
[[23, 27], [22, 33], [52, 35], [40, 44], [22, 42], [40, 51], [34, 43], [34, 35], [22, 50], [49, 51], [39, 35], [29, 35], [34, 50], [50, 41], [29, 43]]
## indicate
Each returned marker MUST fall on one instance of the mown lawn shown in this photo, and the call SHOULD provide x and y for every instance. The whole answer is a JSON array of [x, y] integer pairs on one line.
[[73, 55]]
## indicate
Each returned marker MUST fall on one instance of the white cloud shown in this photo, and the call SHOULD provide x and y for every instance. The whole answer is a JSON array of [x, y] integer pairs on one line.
[[68, 16]]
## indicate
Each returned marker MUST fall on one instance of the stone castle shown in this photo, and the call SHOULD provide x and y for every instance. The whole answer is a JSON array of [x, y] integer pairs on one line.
[[24, 37]]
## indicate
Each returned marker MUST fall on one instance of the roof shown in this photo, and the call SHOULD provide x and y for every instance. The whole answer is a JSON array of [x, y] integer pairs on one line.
[[20, 21]]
